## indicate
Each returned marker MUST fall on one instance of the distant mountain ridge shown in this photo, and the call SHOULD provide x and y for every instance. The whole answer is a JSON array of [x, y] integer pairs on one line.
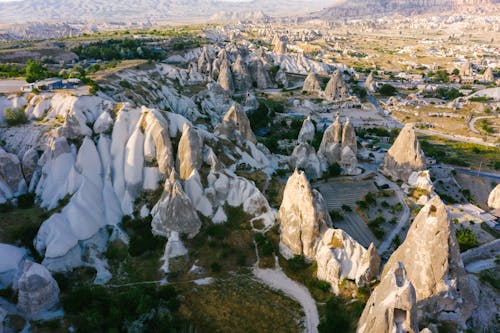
[[140, 10], [363, 8]]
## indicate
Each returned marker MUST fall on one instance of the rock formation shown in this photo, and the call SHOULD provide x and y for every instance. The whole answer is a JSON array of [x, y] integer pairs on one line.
[[236, 125], [225, 79], [340, 257], [30, 163], [303, 217], [488, 75], [306, 134], [174, 212], [189, 152], [336, 89], [311, 84], [12, 182], [348, 161], [434, 266], [421, 180], [260, 77], [304, 158], [38, 291], [281, 78], [404, 157], [349, 137], [205, 62], [242, 80], [281, 46], [330, 146], [370, 85], [392, 305], [466, 69], [494, 198]]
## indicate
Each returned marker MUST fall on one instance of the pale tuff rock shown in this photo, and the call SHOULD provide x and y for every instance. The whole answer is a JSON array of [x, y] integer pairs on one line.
[[306, 134], [194, 190], [174, 248], [303, 217], [30, 163], [38, 291], [433, 263], [340, 257], [205, 62], [336, 89], [392, 305], [404, 157], [304, 158], [494, 198], [242, 80], [225, 79], [281, 46], [251, 101], [260, 77], [488, 75], [330, 147], [58, 159], [236, 125], [217, 63], [174, 212], [370, 83], [466, 69], [311, 84], [157, 143], [281, 78], [103, 123], [12, 182], [421, 180], [227, 188], [348, 161], [349, 137], [189, 152], [10, 260]]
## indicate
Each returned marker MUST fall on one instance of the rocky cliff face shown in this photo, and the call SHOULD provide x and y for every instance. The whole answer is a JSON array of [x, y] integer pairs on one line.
[[336, 89], [189, 152], [434, 266], [404, 157], [306, 134], [494, 198], [305, 230], [303, 217], [366, 8], [304, 158], [174, 212], [340, 257], [12, 181], [392, 305], [236, 125], [37, 289], [311, 84]]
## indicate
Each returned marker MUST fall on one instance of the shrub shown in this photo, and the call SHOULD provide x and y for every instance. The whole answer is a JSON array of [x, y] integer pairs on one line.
[[466, 239], [15, 116], [387, 90], [215, 267], [336, 216], [297, 263], [346, 208]]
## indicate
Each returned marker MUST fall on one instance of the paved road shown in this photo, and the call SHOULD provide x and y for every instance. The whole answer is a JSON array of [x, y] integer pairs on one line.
[[472, 122], [403, 220], [495, 176], [456, 138]]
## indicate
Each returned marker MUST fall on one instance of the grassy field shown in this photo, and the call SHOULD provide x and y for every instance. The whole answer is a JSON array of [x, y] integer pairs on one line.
[[461, 154], [239, 304]]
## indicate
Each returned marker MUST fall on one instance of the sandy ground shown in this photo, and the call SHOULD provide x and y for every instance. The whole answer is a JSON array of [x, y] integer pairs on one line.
[[275, 278]]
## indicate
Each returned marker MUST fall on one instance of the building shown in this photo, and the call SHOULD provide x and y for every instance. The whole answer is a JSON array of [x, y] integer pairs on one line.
[[49, 84]]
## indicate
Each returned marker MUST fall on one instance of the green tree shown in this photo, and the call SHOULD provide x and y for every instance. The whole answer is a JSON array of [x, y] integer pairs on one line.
[[35, 71], [387, 90]]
